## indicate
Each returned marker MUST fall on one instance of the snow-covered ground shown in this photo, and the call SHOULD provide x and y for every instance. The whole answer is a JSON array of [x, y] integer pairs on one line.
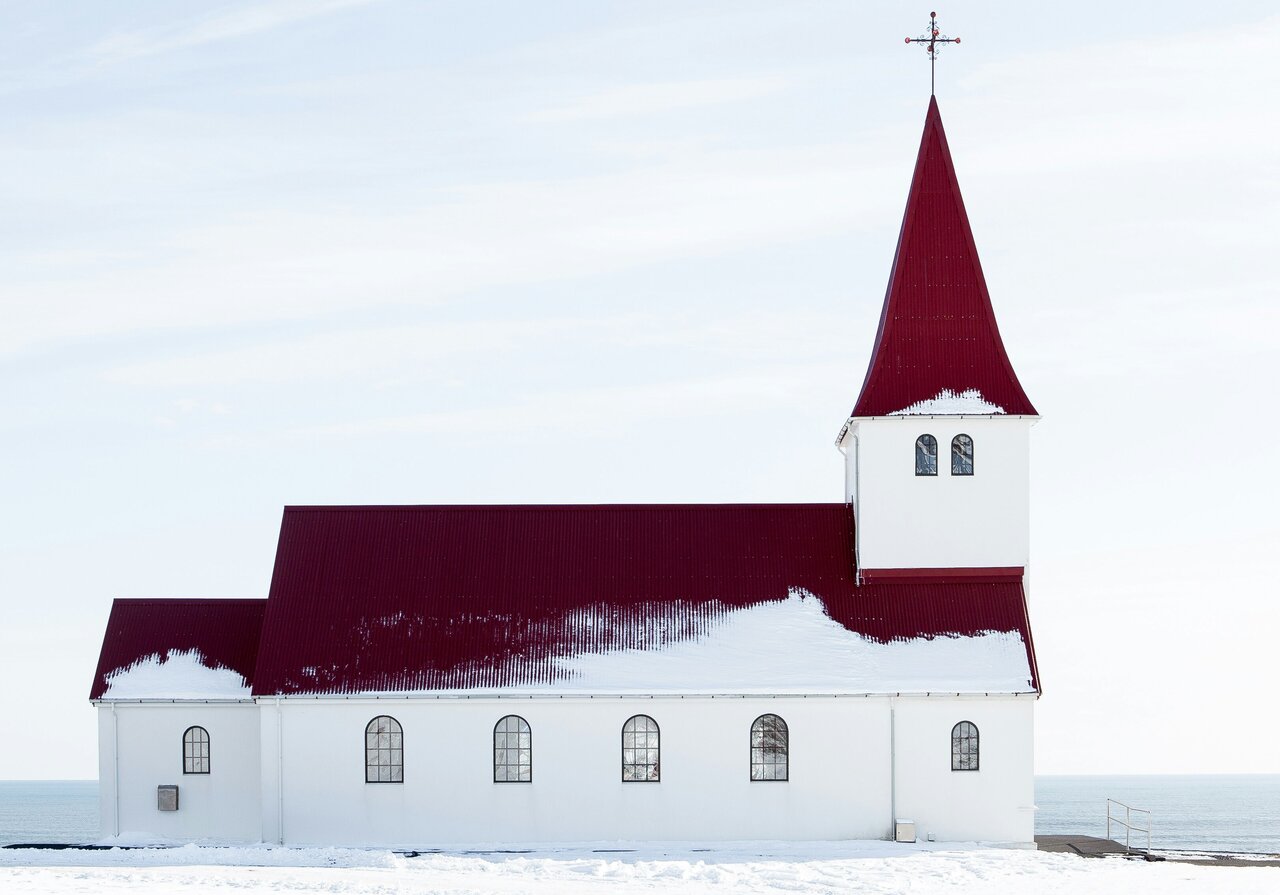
[[800, 869]]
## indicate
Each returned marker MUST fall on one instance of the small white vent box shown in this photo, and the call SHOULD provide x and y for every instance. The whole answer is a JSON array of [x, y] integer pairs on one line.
[[166, 798]]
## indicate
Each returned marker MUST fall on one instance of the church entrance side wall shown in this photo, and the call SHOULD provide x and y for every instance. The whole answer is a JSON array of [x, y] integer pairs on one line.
[[838, 786], [996, 802], [141, 748]]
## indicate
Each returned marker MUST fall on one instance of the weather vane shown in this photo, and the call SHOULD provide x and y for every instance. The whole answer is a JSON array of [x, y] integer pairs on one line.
[[930, 42]]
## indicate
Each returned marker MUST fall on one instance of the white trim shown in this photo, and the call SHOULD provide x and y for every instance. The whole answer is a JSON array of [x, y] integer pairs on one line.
[[948, 416], [157, 700], [373, 698]]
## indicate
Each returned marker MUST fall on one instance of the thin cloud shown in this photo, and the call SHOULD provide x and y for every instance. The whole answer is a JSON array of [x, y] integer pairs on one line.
[[656, 98], [238, 23]]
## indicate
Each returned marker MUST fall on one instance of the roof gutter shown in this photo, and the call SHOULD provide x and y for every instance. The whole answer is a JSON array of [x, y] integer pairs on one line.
[[273, 698], [158, 700]]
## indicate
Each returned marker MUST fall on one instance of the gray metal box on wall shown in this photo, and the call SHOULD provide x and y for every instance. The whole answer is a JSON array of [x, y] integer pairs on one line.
[[904, 830], [167, 797]]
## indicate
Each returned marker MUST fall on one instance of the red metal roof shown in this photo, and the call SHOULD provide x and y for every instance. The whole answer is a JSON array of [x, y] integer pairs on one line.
[[937, 329], [381, 599], [226, 633]]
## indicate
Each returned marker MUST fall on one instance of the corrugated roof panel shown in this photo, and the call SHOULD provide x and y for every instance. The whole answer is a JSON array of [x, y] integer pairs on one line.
[[225, 632], [937, 328], [384, 599]]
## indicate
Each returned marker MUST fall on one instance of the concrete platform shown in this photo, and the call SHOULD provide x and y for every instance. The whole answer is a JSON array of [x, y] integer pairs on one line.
[[1097, 847], [1084, 846]]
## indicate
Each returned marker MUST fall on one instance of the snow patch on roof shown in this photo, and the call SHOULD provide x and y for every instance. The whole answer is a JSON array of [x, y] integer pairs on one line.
[[793, 646], [948, 402], [177, 674]]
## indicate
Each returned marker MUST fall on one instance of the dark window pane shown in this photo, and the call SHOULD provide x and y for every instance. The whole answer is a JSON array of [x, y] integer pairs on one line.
[[964, 747], [926, 455], [962, 455], [769, 748], [640, 749], [195, 751], [384, 751], [512, 750]]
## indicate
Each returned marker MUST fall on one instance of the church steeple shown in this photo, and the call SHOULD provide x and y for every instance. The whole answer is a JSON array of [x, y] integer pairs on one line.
[[938, 348], [937, 448]]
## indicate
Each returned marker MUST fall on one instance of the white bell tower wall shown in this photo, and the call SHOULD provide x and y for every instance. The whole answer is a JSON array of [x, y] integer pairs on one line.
[[909, 521]]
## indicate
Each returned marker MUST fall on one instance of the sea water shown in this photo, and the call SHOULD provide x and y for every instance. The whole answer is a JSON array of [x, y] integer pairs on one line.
[[1237, 812], [1213, 813], [62, 811]]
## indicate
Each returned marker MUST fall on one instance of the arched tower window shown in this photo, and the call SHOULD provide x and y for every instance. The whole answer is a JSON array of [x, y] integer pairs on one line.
[[964, 746], [512, 750], [962, 455], [769, 746], [640, 750], [195, 751], [383, 751], [926, 455]]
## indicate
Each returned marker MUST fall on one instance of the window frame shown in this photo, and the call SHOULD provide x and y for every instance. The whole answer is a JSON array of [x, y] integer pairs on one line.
[[786, 751], [377, 750], [919, 444], [657, 764], [525, 729], [188, 761], [958, 737], [954, 441]]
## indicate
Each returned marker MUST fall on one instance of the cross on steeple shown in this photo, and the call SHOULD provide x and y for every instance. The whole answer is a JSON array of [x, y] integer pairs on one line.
[[930, 42]]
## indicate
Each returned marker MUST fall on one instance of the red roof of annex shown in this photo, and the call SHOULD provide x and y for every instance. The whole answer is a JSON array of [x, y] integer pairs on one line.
[[396, 598]]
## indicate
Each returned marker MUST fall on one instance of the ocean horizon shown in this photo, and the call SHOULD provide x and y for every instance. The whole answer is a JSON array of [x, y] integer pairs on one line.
[[1210, 812]]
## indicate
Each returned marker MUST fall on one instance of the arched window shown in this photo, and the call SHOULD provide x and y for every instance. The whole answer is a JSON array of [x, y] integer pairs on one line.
[[383, 751], [769, 748], [195, 751], [640, 750], [964, 746], [512, 751], [926, 455], [962, 455]]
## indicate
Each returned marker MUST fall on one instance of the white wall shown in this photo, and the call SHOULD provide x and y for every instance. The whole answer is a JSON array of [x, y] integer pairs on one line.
[[907, 521], [994, 803], [839, 785], [222, 805]]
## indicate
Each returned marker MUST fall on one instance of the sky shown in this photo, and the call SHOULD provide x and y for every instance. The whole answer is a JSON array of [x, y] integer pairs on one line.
[[258, 254]]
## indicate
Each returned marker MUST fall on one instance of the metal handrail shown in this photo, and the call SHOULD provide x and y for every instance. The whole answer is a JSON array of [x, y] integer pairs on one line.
[[1127, 823]]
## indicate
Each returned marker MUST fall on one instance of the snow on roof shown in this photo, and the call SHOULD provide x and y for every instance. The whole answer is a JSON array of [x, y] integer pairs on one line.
[[651, 597], [793, 646], [150, 640], [177, 674], [937, 328], [969, 401]]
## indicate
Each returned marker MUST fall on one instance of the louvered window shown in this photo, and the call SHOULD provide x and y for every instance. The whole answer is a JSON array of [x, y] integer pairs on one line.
[[640, 750], [964, 746], [512, 750], [926, 455], [383, 751], [195, 751], [769, 747], [962, 455]]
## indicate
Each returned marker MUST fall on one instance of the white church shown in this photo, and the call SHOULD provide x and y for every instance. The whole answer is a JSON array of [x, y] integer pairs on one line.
[[424, 676]]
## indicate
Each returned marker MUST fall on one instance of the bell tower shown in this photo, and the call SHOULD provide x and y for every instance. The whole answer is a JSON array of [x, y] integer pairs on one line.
[[937, 446]]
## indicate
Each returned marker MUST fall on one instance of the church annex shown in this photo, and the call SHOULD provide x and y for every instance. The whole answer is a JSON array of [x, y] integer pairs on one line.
[[431, 675]]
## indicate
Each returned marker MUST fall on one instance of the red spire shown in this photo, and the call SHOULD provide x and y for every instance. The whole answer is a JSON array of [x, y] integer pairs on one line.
[[937, 330]]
